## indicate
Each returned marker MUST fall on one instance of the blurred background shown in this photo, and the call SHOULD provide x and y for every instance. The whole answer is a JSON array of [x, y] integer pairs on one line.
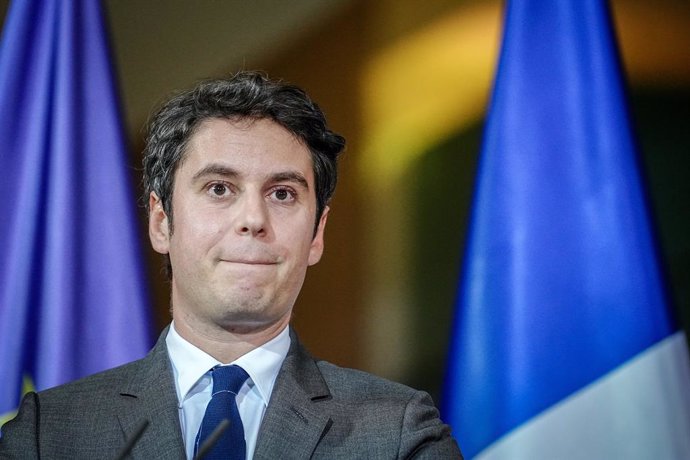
[[407, 83]]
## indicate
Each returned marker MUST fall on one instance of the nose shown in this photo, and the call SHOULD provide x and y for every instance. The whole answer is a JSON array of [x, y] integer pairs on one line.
[[252, 216]]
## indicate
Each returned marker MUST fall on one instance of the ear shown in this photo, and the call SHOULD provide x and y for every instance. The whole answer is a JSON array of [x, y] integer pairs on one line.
[[316, 248], [159, 229]]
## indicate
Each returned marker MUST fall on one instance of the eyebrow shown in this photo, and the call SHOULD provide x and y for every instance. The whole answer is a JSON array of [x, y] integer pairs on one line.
[[215, 169], [290, 176]]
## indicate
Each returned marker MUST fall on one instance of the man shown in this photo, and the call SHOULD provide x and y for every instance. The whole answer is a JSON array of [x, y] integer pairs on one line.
[[238, 175]]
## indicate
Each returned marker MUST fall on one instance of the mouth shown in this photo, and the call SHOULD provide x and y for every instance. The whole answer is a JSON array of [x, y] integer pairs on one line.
[[249, 262]]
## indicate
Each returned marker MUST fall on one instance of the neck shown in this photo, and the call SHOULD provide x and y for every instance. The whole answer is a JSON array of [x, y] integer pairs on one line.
[[226, 343]]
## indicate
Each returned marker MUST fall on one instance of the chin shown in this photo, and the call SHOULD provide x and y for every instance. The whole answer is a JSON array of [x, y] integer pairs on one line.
[[246, 316]]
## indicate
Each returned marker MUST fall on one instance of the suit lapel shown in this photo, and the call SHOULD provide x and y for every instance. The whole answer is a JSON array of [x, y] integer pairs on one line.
[[150, 395], [295, 421]]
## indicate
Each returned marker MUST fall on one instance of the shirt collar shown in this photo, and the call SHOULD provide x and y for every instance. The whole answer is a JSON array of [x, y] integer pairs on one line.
[[191, 364]]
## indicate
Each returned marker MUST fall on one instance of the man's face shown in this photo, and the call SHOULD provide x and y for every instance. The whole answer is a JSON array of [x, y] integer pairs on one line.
[[244, 209]]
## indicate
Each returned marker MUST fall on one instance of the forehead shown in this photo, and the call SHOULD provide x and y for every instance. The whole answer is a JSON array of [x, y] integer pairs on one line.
[[252, 145]]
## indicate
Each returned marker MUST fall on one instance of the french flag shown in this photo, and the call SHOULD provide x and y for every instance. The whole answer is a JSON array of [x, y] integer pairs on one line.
[[564, 343]]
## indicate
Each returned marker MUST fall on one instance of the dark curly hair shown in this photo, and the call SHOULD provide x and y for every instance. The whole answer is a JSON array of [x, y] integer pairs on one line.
[[245, 95]]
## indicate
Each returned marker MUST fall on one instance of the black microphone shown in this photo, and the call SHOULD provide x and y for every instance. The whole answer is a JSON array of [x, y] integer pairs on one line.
[[127, 448], [212, 439]]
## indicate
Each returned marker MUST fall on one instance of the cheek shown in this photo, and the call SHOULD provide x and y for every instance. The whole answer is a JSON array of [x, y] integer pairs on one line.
[[302, 237], [198, 233]]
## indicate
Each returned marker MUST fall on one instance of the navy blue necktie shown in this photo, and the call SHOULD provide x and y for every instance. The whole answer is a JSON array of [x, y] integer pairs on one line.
[[227, 381]]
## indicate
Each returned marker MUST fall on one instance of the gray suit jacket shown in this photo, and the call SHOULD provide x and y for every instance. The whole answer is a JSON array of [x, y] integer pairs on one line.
[[317, 410]]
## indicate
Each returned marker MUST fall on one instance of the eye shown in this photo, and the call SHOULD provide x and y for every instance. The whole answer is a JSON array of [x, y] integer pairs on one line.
[[218, 190], [283, 194]]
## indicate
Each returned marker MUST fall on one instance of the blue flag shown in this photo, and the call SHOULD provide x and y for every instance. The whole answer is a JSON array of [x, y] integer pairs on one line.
[[563, 343], [72, 295]]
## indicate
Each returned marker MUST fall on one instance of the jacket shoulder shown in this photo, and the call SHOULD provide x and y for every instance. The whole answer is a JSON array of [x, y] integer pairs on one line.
[[389, 415], [93, 386], [353, 383]]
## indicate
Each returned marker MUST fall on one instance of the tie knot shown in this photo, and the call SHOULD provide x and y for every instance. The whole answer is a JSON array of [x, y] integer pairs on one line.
[[228, 378]]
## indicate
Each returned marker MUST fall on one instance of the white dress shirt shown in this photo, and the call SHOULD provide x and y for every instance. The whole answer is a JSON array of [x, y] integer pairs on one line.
[[194, 384]]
